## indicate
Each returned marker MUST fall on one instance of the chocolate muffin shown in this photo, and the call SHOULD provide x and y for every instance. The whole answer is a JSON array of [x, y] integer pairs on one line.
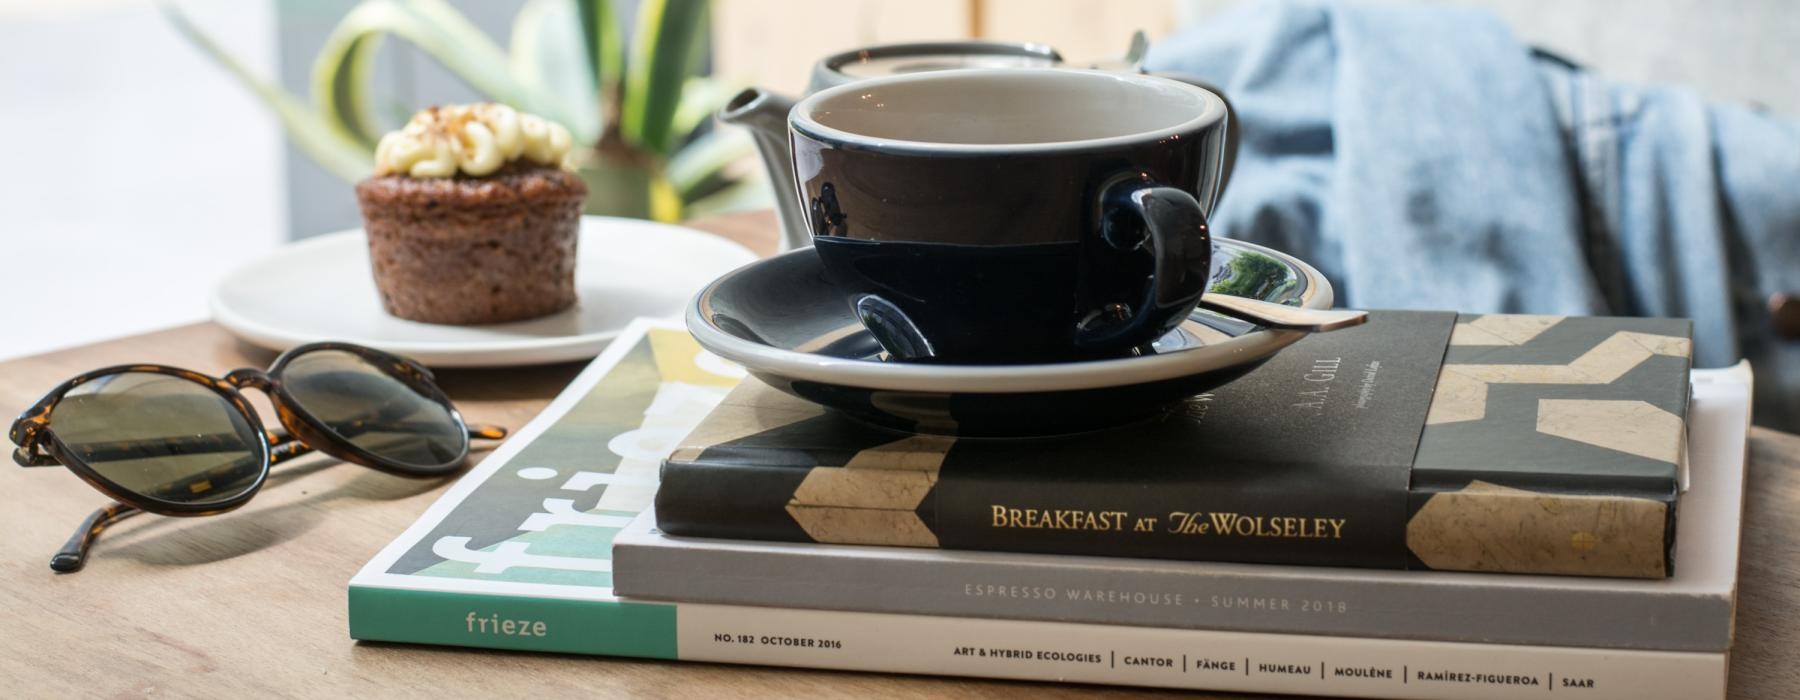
[[473, 217]]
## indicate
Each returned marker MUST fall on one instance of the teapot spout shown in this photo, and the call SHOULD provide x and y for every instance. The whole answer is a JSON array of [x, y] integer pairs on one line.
[[765, 114]]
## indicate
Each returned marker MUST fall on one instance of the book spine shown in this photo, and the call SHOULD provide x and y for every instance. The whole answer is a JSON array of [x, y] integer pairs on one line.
[[1187, 521], [1016, 511], [1039, 651], [1187, 659], [1489, 528], [748, 501], [1075, 589], [606, 628]]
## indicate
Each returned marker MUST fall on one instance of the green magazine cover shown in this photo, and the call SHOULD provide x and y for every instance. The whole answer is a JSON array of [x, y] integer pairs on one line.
[[524, 541]]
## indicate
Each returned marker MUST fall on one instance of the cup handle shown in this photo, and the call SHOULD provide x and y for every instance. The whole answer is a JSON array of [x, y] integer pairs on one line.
[[1173, 227]]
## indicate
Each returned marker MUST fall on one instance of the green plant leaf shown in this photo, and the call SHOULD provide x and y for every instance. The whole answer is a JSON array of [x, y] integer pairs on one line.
[[338, 90], [605, 46], [438, 30], [454, 41], [468, 52], [549, 56], [308, 130], [701, 97], [705, 160], [743, 195], [665, 51]]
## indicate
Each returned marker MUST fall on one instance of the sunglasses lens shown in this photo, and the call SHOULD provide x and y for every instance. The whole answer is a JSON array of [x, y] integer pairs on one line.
[[160, 436], [374, 410]]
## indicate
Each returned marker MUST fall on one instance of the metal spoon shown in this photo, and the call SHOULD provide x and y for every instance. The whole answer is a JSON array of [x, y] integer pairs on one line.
[[1291, 318]]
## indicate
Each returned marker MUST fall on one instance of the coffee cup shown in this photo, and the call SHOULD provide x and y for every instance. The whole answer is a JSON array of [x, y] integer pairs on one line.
[[1001, 216]]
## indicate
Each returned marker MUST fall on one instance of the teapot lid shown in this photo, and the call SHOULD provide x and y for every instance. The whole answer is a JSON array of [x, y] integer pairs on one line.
[[891, 59]]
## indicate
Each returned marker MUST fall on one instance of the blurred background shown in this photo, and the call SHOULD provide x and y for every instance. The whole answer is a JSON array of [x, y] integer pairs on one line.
[[137, 170]]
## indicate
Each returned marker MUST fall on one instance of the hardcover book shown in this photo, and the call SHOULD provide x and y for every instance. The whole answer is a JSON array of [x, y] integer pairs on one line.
[[1691, 610], [1421, 440], [516, 555]]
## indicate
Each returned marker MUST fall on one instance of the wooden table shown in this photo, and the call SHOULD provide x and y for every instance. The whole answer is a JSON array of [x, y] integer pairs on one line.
[[253, 601]]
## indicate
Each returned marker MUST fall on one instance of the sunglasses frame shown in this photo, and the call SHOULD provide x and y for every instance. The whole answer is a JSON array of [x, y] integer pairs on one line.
[[38, 445]]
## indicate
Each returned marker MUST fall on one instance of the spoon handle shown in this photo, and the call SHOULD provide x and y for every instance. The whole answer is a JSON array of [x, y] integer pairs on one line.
[[1291, 318]]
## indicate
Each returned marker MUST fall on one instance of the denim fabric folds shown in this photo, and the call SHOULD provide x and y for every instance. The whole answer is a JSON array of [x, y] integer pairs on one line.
[[1423, 158]]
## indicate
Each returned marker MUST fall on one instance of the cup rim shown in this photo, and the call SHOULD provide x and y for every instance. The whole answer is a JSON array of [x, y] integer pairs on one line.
[[800, 119]]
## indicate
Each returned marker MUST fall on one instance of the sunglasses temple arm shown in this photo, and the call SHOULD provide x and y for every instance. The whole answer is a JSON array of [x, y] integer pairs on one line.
[[487, 432], [285, 447], [179, 445], [74, 553], [282, 447], [205, 444]]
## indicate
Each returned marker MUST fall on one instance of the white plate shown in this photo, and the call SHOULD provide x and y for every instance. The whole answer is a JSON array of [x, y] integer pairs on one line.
[[321, 289]]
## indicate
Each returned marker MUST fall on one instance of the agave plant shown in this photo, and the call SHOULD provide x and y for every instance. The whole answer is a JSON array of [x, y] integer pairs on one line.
[[639, 115]]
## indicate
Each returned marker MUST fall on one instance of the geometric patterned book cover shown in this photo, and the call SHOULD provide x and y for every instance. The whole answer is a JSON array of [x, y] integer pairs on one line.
[[1499, 443], [1519, 399]]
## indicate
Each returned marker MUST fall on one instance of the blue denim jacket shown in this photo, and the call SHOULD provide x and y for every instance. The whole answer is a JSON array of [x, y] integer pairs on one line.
[[1421, 157]]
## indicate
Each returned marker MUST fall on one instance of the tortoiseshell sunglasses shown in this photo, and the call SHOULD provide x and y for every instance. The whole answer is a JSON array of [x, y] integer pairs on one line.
[[172, 441]]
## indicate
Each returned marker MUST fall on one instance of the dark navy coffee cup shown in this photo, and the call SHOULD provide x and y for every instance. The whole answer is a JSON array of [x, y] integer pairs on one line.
[[1012, 215]]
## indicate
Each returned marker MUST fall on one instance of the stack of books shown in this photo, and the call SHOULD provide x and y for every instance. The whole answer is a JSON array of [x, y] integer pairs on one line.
[[1365, 515]]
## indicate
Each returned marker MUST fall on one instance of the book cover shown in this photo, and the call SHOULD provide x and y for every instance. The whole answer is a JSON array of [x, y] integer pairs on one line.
[[516, 555], [1421, 440], [1689, 611]]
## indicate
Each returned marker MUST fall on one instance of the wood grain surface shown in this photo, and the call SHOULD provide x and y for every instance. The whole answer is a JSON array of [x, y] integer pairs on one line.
[[253, 602]]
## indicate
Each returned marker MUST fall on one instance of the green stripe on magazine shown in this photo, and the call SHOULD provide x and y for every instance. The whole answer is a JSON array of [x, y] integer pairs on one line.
[[508, 622]]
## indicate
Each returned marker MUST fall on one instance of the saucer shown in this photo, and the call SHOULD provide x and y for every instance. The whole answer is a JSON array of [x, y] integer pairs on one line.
[[321, 289], [787, 326]]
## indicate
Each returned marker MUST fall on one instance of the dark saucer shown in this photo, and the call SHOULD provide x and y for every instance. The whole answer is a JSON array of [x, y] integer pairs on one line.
[[784, 322]]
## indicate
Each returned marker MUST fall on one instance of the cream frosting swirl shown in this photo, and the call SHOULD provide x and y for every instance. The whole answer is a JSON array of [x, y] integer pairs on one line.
[[474, 139]]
